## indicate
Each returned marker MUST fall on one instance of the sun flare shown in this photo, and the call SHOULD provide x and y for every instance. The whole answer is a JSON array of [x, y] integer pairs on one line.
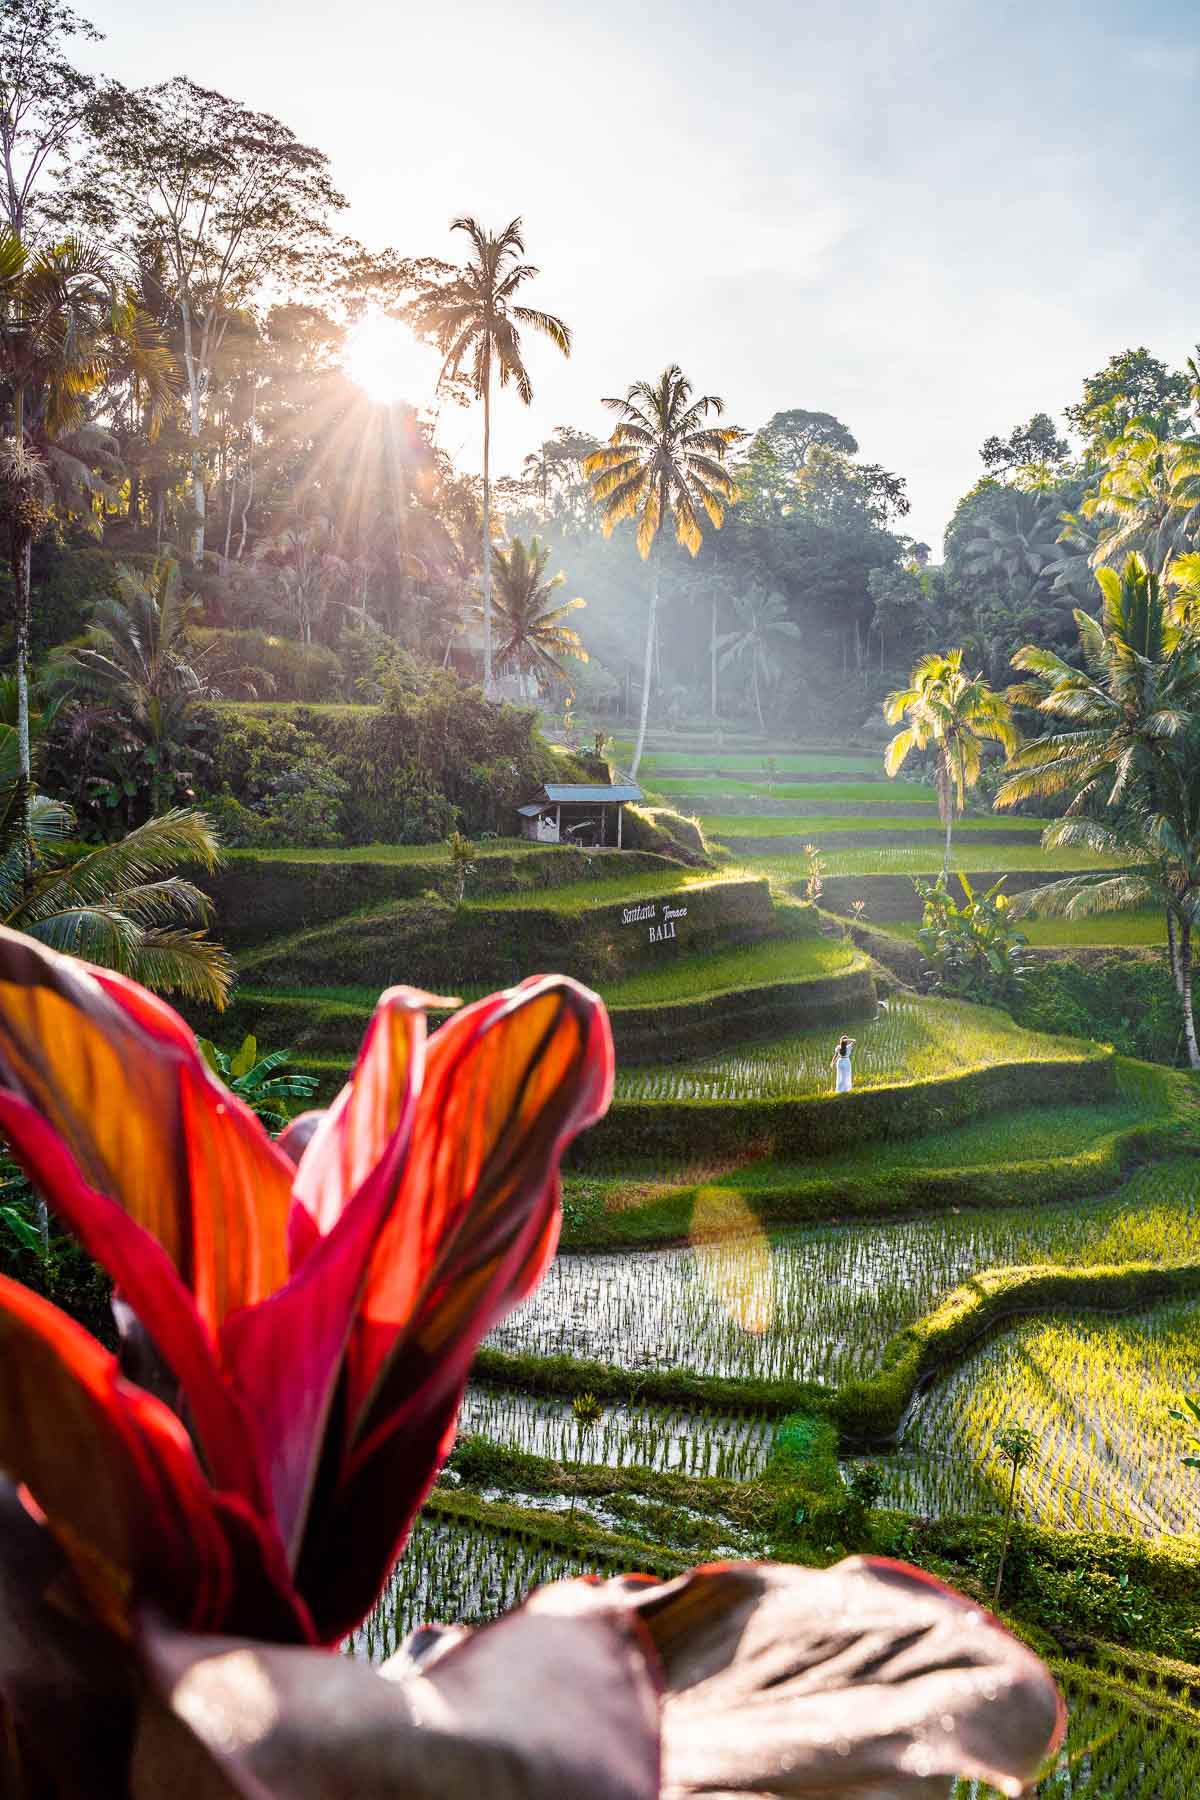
[[388, 363]]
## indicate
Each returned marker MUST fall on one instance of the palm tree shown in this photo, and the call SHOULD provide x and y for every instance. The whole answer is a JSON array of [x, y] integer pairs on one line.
[[1125, 742], [64, 323], [663, 461], [473, 318], [122, 905], [137, 668], [762, 624], [1148, 496], [531, 621], [957, 714], [1019, 542]]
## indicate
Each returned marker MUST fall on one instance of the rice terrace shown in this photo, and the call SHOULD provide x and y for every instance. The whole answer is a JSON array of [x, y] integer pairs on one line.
[[599, 1084]]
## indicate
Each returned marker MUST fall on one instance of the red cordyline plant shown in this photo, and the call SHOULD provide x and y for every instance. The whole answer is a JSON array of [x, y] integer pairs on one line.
[[189, 1530]]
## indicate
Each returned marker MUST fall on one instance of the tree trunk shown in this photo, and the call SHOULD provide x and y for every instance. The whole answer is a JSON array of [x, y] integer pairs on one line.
[[1173, 951], [135, 498], [946, 856], [1012, 1494], [1185, 992], [651, 634], [762, 723], [712, 650], [487, 525], [21, 549]]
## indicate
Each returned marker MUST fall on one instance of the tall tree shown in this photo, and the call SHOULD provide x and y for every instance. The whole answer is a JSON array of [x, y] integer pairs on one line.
[[1133, 386], [64, 322], [43, 100], [663, 461], [956, 714], [474, 318], [532, 618], [762, 627], [1036, 445], [1122, 739], [1148, 496], [235, 202]]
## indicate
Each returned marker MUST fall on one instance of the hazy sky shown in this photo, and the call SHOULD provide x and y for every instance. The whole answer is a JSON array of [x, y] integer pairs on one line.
[[931, 218]]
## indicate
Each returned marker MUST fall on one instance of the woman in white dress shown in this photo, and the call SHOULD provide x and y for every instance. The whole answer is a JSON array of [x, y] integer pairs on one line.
[[839, 1062]]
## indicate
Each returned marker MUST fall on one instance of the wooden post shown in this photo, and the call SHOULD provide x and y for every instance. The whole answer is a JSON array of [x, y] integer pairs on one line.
[[558, 822], [620, 821]]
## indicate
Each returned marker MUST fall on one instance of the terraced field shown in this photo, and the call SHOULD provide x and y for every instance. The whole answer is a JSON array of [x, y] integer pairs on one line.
[[761, 1283]]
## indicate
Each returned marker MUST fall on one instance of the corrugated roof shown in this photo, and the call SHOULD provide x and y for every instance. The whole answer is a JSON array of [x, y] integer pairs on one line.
[[531, 812], [563, 794]]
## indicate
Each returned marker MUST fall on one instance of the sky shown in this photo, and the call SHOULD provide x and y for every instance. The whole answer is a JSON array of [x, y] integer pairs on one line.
[[932, 218]]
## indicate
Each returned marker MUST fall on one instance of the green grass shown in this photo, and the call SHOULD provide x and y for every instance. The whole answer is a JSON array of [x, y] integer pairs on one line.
[[1097, 1394], [882, 793], [914, 859], [811, 796], [732, 826], [580, 896], [800, 762], [755, 965], [820, 1304], [1120, 930], [329, 709], [912, 1040]]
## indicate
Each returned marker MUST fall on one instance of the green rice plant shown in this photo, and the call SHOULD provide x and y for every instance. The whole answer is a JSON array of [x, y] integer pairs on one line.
[[729, 1446], [740, 967], [1097, 1394], [457, 1573], [909, 1039], [820, 1304], [787, 868], [729, 827], [802, 762]]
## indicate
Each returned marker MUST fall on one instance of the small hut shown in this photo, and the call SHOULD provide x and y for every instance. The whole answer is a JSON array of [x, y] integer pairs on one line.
[[577, 813]]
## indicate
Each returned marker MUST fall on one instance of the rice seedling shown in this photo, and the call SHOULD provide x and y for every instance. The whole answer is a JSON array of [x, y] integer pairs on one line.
[[909, 1040], [1097, 1395], [820, 1304], [456, 1573], [741, 966], [730, 1446], [786, 868], [732, 826], [815, 762]]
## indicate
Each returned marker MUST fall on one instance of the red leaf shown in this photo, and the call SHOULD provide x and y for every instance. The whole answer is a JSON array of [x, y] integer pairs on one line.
[[147, 1279], [508, 1084], [866, 1679], [117, 1076], [554, 1702]]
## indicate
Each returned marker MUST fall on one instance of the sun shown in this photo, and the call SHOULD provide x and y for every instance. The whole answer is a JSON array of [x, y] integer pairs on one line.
[[388, 363]]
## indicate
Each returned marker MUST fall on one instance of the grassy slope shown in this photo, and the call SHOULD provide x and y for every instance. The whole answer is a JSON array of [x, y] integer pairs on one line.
[[732, 826]]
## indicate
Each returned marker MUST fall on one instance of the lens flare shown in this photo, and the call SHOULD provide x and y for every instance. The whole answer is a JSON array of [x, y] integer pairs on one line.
[[733, 1259], [388, 363]]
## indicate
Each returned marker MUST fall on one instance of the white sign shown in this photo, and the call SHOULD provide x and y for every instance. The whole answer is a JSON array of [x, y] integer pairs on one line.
[[647, 914]]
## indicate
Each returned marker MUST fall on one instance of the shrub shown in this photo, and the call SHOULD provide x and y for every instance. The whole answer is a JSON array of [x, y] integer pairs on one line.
[[1124, 1001], [286, 669], [274, 783]]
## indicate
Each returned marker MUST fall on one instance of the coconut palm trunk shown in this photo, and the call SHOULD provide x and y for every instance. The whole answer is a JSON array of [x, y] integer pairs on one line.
[[1185, 992], [945, 794], [648, 663], [487, 524], [712, 652], [762, 723]]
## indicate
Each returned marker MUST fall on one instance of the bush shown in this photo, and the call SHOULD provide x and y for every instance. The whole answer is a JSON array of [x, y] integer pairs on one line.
[[673, 1133], [666, 832], [427, 764], [277, 668], [273, 783], [1127, 1002]]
